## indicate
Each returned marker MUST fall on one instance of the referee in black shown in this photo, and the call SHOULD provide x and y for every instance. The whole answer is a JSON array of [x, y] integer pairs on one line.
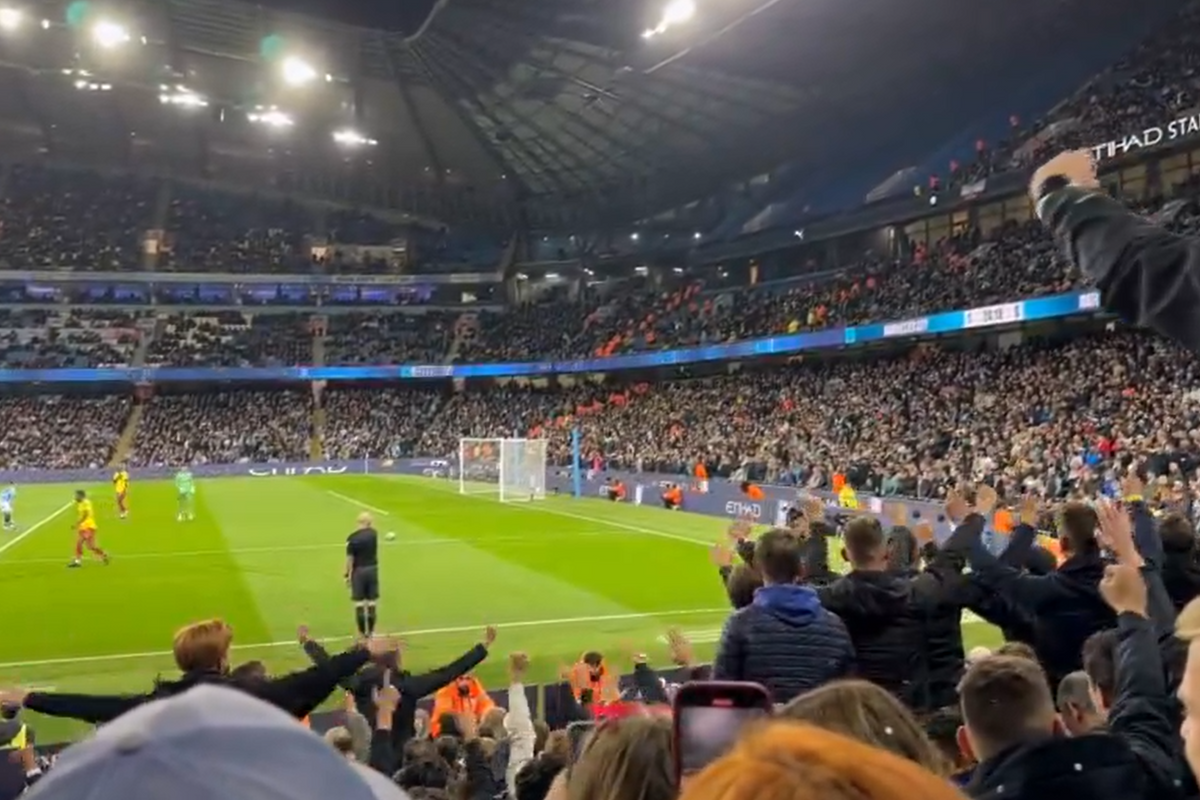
[[362, 573]]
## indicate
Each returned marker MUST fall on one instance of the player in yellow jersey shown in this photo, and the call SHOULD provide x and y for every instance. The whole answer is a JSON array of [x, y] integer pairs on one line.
[[85, 529], [121, 487]]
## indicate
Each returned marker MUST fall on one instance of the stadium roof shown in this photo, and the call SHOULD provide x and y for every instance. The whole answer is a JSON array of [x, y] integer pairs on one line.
[[554, 107]]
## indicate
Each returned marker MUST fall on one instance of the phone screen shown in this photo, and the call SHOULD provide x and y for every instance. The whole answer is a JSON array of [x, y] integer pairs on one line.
[[708, 732]]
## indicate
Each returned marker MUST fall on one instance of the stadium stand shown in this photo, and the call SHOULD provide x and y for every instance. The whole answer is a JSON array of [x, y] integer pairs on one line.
[[60, 432], [231, 339], [224, 428], [1079, 432]]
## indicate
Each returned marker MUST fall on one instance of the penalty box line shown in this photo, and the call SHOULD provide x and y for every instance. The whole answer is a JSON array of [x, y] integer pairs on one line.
[[479, 627], [540, 507]]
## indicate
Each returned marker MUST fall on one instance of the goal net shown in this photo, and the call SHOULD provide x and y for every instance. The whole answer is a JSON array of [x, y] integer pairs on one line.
[[515, 469]]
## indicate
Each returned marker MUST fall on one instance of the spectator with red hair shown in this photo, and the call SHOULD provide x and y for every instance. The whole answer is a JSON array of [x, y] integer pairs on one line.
[[789, 761]]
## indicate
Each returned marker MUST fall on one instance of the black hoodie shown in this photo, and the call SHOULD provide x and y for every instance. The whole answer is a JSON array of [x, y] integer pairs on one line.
[[885, 614]]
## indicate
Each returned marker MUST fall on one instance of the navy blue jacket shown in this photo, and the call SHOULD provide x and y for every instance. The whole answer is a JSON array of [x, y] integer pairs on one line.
[[1066, 605], [786, 641]]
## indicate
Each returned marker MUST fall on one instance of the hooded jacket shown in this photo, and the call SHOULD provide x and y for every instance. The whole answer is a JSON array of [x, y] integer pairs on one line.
[[449, 700], [786, 641], [885, 614]]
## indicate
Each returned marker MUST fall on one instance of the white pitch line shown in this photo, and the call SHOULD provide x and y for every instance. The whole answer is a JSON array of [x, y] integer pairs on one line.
[[13, 541], [358, 503], [537, 623], [309, 547]]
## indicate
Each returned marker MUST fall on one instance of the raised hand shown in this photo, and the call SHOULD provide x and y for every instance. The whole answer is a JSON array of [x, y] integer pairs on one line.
[[680, 648], [489, 635], [518, 664], [1116, 532], [1027, 511], [897, 514], [1124, 589], [721, 556], [985, 499], [956, 506]]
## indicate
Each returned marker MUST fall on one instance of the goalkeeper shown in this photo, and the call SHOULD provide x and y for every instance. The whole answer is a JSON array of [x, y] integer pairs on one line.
[[185, 488]]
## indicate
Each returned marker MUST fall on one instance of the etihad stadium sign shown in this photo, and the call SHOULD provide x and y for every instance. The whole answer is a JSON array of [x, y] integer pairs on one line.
[[1182, 128]]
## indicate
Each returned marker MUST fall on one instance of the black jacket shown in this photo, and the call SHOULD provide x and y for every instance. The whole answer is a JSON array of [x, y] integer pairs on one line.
[[411, 687], [785, 641], [298, 694], [1134, 760], [1066, 605], [885, 614], [1145, 273], [1181, 576]]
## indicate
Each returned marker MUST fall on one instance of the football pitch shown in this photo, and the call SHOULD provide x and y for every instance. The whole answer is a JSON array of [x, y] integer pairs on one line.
[[558, 577]]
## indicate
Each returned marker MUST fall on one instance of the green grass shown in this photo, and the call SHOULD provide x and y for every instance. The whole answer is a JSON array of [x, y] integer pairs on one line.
[[558, 577]]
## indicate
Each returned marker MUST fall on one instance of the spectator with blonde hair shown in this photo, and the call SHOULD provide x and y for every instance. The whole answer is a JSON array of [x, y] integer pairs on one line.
[[866, 712], [627, 759], [788, 761]]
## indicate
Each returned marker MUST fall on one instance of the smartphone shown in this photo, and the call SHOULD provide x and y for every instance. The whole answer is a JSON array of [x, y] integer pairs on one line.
[[709, 717], [577, 735]]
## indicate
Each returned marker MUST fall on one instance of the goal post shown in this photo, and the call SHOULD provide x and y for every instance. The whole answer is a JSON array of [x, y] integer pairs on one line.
[[513, 469]]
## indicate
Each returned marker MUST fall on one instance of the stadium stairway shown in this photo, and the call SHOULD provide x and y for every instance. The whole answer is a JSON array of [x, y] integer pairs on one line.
[[466, 323], [149, 334], [316, 441], [125, 440], [162, 207]]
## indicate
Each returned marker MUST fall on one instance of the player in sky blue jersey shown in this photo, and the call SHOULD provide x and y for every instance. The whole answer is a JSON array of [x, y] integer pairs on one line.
[[8, 497]]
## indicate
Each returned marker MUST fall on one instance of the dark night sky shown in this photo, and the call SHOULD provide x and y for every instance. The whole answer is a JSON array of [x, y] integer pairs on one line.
[[395, 15]]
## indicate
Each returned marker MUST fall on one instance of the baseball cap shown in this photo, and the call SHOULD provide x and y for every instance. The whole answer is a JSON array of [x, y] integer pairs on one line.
[[209, 743]]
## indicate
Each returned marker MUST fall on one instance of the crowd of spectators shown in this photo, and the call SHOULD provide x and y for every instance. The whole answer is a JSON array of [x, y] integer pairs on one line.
[[1151, 85], [1039, 417], [232, 339], [70, 219], [236, 427], [31, 339], [389, 338], [367, 423], [60, 432]]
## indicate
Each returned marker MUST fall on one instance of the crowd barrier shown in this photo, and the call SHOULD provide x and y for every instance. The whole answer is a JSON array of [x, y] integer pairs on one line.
[[982, 318]]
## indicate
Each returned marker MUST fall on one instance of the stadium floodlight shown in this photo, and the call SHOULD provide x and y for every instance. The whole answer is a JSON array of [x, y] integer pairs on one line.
[[11, 19], [271, 117], [351, 138], [696, 235], [551, 276], [676, 12], [296, 71], [109, 34], [633, 237]]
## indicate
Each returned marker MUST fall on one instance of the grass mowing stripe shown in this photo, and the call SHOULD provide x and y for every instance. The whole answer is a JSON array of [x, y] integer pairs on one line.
[[358, 503], [50, 518], [308, 547], [537, 623], [540, 507]]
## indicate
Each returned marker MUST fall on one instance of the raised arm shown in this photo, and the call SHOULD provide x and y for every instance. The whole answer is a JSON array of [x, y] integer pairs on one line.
[[1145, 273]]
